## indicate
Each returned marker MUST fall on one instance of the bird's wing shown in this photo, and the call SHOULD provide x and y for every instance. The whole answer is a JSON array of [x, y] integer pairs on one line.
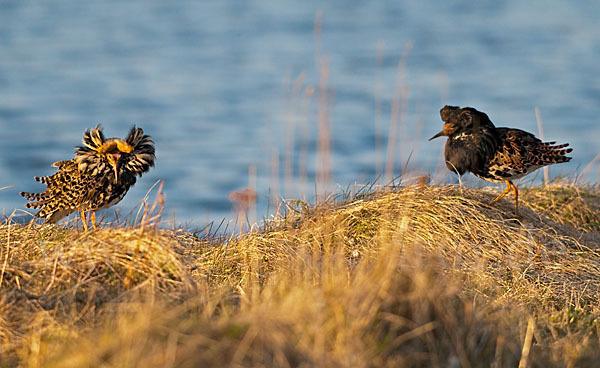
[[66, 191]]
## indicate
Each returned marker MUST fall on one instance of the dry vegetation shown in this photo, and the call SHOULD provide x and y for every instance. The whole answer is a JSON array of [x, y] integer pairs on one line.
[[414, 276]]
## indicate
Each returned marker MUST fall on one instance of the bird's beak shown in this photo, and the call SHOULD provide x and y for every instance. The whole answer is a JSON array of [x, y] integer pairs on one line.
[[437, 135], [446, 130], [115, 164]]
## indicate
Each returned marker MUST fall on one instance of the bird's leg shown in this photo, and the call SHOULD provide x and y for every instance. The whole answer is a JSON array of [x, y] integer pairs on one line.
[[516, 198], [84, 221], [508, 186], [94, 219]]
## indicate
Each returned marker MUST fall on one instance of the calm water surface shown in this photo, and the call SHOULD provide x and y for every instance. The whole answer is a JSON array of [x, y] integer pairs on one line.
[[228, 88]]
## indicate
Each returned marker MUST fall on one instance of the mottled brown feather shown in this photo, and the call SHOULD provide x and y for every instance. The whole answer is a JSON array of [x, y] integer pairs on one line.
[[87, 182], [495, 154]]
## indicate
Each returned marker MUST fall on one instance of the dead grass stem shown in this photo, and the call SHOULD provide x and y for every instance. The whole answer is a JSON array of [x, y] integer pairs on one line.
[[410, 276]]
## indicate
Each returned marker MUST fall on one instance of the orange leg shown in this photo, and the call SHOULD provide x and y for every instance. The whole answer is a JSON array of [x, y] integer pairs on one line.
[[85, 227], [516, 199], [509, 186], [94, 219]]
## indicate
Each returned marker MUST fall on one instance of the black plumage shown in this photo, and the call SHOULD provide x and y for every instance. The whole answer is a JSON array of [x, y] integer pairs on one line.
[[494, 154], [98, 177]]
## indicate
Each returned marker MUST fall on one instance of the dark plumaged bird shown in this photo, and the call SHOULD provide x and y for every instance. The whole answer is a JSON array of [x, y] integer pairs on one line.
[[494, 154], [98, 177]]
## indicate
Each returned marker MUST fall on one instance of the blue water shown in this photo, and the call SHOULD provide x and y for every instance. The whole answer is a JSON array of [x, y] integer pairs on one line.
[[213, 84]]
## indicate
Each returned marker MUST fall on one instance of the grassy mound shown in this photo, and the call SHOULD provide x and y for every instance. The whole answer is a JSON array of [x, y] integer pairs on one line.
[[415, 276]]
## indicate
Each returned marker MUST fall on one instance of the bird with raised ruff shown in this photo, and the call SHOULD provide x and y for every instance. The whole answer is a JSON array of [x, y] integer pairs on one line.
[[494, 154], [98, 177]]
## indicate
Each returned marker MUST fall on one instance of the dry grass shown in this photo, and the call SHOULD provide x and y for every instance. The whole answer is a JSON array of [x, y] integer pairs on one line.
[[567, 203], [415, 276]]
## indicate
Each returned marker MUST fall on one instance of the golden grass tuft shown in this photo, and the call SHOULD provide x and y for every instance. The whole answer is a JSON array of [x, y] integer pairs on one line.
[[567, 203], [416, 276]]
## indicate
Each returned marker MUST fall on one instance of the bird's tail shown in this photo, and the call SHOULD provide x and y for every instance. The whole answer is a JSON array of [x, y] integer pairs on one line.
[[35, 196], [40, 201], [552, 153]]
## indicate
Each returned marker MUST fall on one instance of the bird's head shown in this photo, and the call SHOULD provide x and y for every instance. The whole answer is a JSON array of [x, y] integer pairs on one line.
[[115, 151], [98, 155], [462, 120]]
